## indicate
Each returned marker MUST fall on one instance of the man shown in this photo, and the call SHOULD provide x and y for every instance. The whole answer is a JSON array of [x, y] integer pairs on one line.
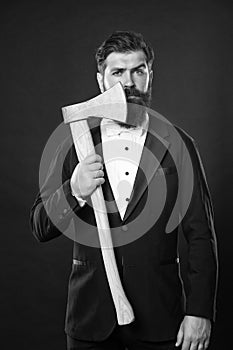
[[148, 264]]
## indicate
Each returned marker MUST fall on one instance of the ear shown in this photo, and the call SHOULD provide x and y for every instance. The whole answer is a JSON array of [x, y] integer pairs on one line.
[[151, 75], [100, 81]]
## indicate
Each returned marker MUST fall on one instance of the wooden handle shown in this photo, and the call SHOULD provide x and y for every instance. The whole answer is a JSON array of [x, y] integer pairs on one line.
[[84, 146]]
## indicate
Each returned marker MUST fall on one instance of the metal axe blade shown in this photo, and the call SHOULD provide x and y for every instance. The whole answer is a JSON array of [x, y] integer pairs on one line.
[[111, 104]]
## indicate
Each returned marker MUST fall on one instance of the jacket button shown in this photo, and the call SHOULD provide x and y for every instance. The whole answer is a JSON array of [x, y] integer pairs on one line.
[[124, 228]]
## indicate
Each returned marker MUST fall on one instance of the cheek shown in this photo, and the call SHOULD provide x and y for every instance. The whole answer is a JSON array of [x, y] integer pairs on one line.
[[109, 81], [142, 83]]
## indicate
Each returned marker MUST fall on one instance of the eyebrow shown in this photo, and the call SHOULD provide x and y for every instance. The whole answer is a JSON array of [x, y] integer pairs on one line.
[[141, 65]]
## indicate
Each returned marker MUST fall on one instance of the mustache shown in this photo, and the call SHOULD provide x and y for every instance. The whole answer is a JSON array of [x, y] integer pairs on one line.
[[133, 92], [142, 98]]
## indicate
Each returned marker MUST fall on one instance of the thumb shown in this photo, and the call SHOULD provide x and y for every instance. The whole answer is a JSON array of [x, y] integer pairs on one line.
[[180, 336]]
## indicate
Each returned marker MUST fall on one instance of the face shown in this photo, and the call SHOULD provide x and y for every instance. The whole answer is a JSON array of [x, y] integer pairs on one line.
[[131, 69]]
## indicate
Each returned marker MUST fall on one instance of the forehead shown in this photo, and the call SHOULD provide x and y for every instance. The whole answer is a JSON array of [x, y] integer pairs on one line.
[[127, 60]]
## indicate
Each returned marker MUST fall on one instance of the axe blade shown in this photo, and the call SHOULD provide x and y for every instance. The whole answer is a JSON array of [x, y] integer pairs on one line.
[[111, 104]]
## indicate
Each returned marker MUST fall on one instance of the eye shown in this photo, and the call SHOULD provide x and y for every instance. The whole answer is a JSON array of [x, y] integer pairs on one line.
[[140, 72], [117, 73]]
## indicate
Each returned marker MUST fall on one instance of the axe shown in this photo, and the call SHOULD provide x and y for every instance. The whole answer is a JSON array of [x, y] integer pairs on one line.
[[112, 105]]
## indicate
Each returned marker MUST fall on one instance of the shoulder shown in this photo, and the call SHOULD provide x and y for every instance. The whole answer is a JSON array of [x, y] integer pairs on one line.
[[187, 138]]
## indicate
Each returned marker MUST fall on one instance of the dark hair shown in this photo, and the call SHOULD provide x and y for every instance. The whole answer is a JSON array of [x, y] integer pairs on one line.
[[123, 41]]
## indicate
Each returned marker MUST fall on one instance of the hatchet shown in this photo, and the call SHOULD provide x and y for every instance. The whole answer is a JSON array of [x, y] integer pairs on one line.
[[111, 105]]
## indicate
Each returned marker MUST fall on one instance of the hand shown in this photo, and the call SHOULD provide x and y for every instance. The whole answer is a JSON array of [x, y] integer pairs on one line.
[[194, 333], [87, 175]]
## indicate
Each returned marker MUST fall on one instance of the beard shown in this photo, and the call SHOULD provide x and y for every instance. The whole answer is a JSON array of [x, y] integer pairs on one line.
[[136, 96], [137, 103]]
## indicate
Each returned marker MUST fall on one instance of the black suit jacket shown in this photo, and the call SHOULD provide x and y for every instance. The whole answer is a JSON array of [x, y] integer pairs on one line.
[[146, 255]]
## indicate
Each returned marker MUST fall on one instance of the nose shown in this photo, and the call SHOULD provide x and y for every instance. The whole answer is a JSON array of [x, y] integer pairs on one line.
[[128, 82]]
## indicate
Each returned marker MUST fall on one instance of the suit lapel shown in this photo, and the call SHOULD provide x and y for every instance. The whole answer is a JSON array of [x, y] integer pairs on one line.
[[154, 150]]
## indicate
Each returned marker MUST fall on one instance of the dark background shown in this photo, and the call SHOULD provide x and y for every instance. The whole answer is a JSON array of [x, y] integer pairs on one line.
[[47, 61]]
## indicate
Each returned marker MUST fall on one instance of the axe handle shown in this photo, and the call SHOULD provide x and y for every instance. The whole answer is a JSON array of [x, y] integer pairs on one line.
[[84, 145]]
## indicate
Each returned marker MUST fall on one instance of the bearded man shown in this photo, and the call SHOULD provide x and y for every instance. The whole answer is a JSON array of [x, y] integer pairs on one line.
[[149, 263]]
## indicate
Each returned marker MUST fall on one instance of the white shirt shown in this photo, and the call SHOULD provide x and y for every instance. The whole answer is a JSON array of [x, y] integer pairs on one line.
[[122, 150]]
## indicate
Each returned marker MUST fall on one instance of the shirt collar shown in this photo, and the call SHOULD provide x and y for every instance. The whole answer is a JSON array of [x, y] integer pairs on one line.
[[112, 128]]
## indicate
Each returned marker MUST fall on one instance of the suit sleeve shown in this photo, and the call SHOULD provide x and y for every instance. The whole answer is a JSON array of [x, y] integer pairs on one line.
[[199, 232], [54, 206]]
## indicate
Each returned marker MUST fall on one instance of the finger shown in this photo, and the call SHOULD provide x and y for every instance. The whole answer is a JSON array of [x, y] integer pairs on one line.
[[99, 181], [194, 346], [186, 345], [95, 166], [93, 158], [206, 344], [97, 174], [180, 336], [201, 346]]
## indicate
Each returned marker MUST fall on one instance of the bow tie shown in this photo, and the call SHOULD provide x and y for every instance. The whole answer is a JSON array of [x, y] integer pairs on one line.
[[114, 130]]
